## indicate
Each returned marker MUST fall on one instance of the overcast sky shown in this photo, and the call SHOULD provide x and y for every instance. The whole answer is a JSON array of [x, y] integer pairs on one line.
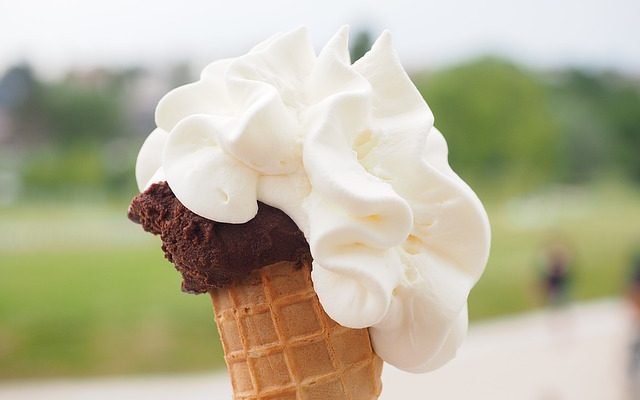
[[54, 35]]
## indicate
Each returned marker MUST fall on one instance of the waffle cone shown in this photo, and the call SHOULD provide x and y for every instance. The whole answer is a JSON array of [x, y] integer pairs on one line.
[[280, 344]]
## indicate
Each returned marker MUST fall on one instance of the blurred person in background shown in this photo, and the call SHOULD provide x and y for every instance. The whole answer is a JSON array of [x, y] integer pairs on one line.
[[556, 273], [633, 297]]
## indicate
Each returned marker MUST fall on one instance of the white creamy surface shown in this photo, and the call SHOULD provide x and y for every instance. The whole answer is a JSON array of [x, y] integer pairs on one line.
[[350, 153]]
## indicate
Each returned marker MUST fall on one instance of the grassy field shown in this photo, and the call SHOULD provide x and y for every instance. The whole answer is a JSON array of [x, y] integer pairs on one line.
[[85, 292], [600, 225]]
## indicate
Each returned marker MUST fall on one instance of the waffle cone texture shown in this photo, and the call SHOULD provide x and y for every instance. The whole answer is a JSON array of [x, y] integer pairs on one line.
[[280, 344]]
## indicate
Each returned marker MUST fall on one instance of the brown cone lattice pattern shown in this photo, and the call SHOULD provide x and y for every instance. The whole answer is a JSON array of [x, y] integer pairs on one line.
[[280, 344]]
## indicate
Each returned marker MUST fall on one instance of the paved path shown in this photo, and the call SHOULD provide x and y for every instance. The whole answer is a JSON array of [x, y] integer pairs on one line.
[[578, 353]]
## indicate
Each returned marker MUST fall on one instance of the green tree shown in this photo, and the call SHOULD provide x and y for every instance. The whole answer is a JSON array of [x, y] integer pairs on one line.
[[77, 113], [360, 45], [600, 116], [625, 109], [497, 120]]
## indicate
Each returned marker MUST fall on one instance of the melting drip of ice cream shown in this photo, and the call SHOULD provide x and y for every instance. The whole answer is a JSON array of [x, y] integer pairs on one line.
[[350, 153]]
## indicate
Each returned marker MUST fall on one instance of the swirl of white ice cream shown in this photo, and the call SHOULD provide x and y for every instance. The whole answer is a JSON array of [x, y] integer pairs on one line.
[[350, 153]]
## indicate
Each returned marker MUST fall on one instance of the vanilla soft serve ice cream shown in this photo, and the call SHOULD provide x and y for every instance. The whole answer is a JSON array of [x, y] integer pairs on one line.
[[350, 153]]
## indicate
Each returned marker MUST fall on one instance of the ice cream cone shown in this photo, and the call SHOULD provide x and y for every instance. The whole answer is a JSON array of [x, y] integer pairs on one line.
[[280, 344]]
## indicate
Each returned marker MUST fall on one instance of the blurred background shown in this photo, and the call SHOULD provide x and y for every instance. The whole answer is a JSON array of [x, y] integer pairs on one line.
[[539, 102]]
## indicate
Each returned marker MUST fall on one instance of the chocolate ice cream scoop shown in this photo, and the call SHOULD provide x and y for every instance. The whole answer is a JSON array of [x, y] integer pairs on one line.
[[212, 254]]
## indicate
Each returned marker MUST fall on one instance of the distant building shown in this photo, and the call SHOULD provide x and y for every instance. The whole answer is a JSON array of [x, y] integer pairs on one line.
[[16, 87]]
